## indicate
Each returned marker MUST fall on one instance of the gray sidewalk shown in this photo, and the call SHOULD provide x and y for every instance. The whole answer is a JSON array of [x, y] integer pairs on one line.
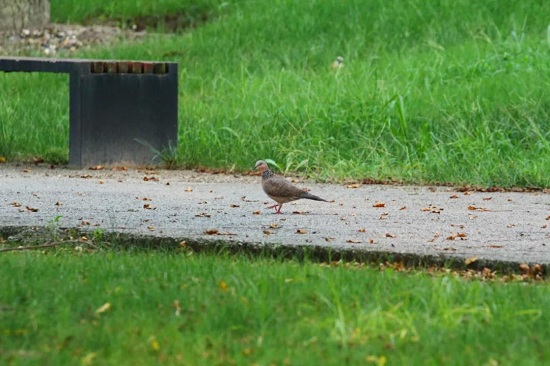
[[424, 221]]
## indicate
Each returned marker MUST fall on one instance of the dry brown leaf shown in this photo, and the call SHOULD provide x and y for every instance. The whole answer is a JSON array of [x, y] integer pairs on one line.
[[31, 209], [403, 208], [256, 213], [461, 236], [234, 205], [202, 214], [211, 231], [301, 231], [432, 209], [454, 196], [151, 228], [362, 230], [328, 238], [475, 208], [378, 204], [15, 204], [487, 198], [372, 241], [147, 206], [86, 176], [548, 217], [467, 193], [188, 189], [388, 235], [150, 179], [274, 225], [97, 167], [268, 232], [384, 216], [470, 260], [354, 185], [101, 181], [58, 203], [352, 241], [84, 223], [300, 212]]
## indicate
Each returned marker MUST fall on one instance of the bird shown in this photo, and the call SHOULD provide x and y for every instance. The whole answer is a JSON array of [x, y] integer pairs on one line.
[[337, 64], [279, 189]]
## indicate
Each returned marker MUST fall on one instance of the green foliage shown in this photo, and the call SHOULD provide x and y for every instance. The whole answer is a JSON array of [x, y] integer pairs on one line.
[[430, 91], [139, 307]]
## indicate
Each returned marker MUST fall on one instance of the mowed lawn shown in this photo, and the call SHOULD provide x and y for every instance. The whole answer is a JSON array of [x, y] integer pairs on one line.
[[139, 307]]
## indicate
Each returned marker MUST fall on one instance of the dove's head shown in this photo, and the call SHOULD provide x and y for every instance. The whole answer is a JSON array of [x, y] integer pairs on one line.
[[261, 166]]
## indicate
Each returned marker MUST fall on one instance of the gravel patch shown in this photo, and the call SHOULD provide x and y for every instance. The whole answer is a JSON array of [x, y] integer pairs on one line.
[[61, 39]]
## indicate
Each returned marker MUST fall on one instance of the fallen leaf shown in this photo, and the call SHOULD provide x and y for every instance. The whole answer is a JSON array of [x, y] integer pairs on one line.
[[202, 214], [354, 185], [223, 285], [31, 209], [487, 198], [150, 179], [328, 239], [26, 170], [383, 216], [256, 213], [379, 204], [101, 181], [274, 225], [147, 206], [454, 196], [15, 204], [97, 167], [301, 231], [403, 208], [88, 359], [362, 230], [268, 232], [103, 308], [470, 260], [234, 206], [474, 208], [151, 228], [188, 189], [372, 241], [467, 193], [155, 346], [211, 231], [432, 209], [388, 235], [85, 223], [58, 204], [2, 159], [352, 241], [461, 236], [548, 217], [300, 212], [86, 176]]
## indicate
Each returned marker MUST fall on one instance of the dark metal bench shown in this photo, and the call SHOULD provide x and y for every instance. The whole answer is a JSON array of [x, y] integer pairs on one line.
[[120, 111]]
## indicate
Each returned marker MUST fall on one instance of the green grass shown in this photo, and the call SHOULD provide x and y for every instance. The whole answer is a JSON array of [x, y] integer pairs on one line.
[[199, 309], [431, 91]]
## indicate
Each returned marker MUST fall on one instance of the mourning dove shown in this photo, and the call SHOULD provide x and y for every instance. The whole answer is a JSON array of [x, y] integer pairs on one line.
[[279, 189]]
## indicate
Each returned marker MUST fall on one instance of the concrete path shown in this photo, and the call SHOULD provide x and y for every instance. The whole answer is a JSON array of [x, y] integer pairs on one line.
[[425, 221]]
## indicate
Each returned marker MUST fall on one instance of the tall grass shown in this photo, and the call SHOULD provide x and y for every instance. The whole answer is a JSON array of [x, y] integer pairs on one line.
[[431, 91], [140, 308]]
